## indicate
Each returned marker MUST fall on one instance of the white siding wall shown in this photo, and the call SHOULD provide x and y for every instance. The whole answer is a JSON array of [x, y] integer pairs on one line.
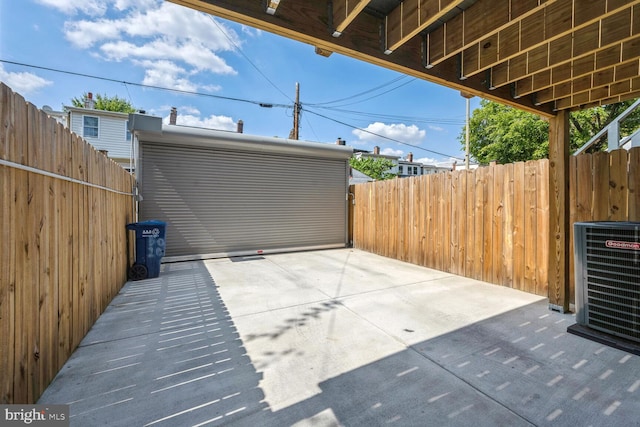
[[111, 133]]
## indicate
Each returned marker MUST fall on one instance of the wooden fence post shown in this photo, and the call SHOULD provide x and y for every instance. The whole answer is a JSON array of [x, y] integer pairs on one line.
[[559, 255]]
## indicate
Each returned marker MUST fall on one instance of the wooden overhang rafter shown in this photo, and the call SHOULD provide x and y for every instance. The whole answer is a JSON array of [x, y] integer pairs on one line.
[[539, 55]]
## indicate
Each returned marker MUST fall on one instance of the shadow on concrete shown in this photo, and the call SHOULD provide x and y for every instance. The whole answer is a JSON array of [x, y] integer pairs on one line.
[[166, 352], [520, 368]]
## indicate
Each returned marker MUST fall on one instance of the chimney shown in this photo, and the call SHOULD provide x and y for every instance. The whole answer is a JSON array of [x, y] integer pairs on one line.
[[240, 126], [173, 117], [410, 157], [89, 102], [376, 150], [340, 141]]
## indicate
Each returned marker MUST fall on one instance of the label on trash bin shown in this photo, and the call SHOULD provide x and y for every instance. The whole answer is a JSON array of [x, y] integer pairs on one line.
[[153, 232]]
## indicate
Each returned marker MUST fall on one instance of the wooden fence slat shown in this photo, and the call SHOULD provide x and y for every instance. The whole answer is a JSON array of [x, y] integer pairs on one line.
[[469, 264], [519, 231], [461, 213], [508, 207], [23, 324], [618, 185], [600, 162], [531, 232], [478, 214], [542, 227], [7, 252], [497, 237], [487, 225]]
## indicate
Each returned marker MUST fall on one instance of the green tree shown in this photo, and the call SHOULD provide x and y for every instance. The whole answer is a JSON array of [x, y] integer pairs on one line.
[[376, 168], [107, 103], [586, 123], [506, 134]]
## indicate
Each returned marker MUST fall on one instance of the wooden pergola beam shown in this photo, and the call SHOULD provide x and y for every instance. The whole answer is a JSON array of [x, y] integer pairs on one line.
[[579, 48], [559, 209], [411, 17], [344, 12], [471, 25]]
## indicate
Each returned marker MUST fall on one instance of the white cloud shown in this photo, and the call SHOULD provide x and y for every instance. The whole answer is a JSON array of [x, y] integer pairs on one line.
[[24, 83], [398, 131], [211, 122], [159, 36], [426, 160], [392, 152], [72, 7], [436, 128]]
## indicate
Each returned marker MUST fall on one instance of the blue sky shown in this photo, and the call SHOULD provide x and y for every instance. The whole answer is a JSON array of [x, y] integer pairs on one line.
[[157, 43]]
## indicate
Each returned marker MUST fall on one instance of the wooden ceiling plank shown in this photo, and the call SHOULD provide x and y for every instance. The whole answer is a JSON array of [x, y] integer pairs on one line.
[[627, 70], [585, 39], [557, 20], [604, 77], [605, 101], [524, 86], [344, 12], [538, 59], [489, 50], [513, 76], [452, 42], [524, 9], [411, 21], [590, 12], [599, 78], [435, 46], [617, 17], [561, 49], [622, 90]]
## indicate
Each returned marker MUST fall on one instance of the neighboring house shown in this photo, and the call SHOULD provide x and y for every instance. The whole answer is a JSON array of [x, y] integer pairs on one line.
[[404, 167], [58, 116], [107, 131]]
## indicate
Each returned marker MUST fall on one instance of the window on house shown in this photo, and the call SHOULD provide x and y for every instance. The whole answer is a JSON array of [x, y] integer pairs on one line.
[[90, 126], [127, 134], [400, 170], [415, 170]]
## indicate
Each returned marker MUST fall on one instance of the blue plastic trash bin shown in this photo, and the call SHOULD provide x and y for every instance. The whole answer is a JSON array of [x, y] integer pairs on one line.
[[150, 245]]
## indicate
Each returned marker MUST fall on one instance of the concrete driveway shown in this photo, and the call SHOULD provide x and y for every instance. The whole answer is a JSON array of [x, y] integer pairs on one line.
[[338, 337]]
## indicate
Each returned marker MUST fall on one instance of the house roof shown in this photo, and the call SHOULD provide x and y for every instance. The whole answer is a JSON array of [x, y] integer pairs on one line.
[[93, 111], [538, 55]]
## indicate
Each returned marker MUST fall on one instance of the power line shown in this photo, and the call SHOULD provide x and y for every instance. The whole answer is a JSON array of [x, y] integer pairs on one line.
[[360, 93], [73, 73], [416, 119], [380, 94], [247, 58], [382, 136]]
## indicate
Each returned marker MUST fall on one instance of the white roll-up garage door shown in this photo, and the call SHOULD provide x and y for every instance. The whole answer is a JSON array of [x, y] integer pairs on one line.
[[260, 198]]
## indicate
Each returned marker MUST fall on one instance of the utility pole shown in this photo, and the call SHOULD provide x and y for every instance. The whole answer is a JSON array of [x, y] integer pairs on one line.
[[296, 114], [468, 97]]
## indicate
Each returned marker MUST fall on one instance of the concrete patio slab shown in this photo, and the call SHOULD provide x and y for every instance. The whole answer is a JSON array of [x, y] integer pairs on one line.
[[338, 337]]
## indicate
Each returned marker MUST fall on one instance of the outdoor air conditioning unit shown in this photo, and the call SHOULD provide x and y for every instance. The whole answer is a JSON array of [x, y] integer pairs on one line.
[[607, 273]]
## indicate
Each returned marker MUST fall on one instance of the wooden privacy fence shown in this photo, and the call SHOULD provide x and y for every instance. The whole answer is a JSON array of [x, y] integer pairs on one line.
[[604, 187], [63, 247], [489, 224]]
